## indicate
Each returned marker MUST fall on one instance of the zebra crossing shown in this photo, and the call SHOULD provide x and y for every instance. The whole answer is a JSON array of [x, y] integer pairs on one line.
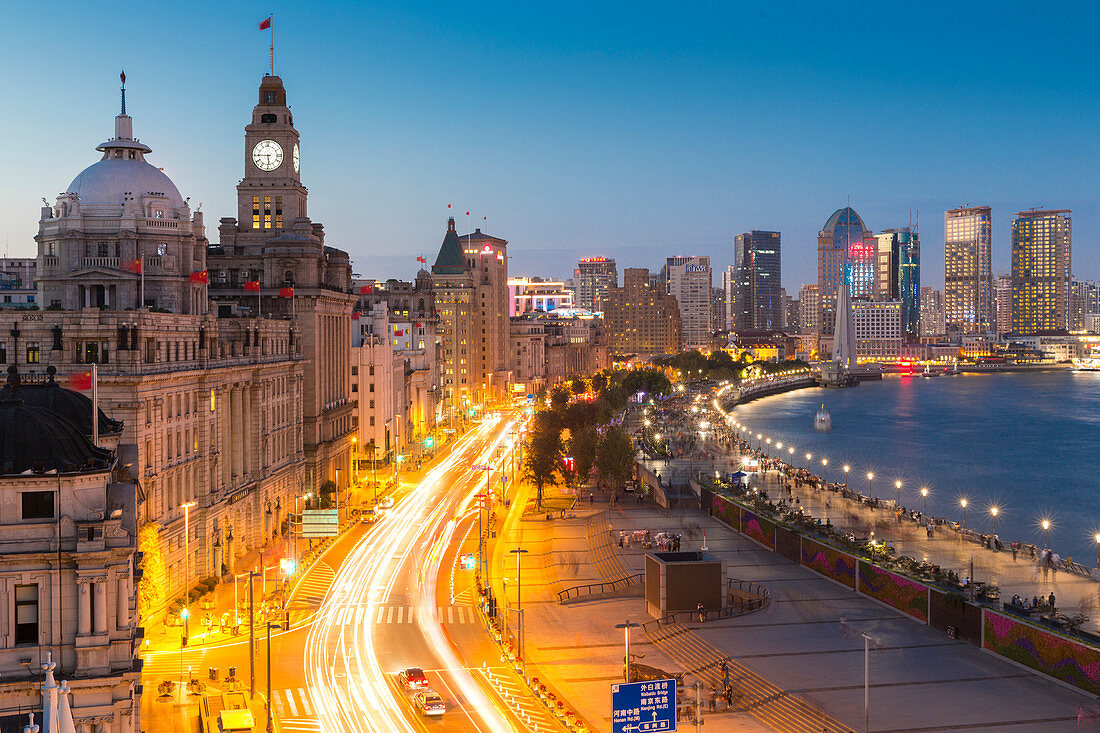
[[293, 704], [358, 615], [167, 665]]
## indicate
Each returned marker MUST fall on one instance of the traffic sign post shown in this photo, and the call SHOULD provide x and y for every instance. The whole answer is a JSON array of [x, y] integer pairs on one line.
[[643, 707]]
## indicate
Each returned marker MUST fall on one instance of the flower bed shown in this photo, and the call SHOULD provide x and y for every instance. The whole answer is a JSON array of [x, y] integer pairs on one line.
[[1049, 653]]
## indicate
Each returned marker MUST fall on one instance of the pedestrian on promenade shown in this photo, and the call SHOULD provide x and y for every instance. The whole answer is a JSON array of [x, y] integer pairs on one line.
[[703, 614], [1013, 552], [1050, 601]]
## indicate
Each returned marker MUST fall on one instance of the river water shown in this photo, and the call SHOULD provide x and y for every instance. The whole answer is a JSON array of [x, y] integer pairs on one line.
[[1027, 443]]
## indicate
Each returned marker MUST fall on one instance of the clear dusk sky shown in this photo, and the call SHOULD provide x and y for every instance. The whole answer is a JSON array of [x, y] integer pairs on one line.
[[631, 130]]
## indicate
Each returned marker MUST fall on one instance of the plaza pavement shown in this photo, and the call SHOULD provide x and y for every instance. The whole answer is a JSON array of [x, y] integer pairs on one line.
[[796, 663]]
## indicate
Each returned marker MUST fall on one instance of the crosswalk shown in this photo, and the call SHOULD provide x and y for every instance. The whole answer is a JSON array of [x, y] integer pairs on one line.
[[158, 666], [311, 590], [292, 703], [358, 615]]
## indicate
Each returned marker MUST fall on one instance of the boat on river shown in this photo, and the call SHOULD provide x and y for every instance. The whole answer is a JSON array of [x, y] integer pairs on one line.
[[1087, 364], [822, 420]]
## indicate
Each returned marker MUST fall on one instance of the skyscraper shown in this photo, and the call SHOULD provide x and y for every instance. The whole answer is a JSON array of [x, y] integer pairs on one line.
[[932, 322], [968, 273], [729, 294], [756, 258], [841, 245], [809, 308], [593, 277], [1085, 300], [689, 281], [898, 276], [1041, 270], [641, 318], [1002, 298]]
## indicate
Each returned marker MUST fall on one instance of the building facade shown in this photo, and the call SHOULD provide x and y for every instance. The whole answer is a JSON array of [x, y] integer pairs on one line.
[[933, 321], [536, 295], [756, 258], [17, 282], [593, 278], [641, 318], [1002, 301], [1085, 300], [1041, 253], [968, 273], [809, 308], [898, 276], [843, 244], [689, 282], [877, 326]]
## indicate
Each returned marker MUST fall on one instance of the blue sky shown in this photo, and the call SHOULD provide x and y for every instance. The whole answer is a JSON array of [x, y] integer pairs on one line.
[[629, 130]]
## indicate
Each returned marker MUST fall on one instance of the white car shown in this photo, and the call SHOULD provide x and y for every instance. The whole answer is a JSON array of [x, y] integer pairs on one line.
[[428, 702], [385, 504]]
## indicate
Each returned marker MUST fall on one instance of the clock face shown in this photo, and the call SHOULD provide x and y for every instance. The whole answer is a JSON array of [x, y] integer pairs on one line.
[[267, 155], [296, 158]]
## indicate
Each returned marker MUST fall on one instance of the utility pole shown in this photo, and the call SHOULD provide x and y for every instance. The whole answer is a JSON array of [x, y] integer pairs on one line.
[[698, 707], [866, 681], [626, 627], [251, 640], [519, 552], [270, 723]]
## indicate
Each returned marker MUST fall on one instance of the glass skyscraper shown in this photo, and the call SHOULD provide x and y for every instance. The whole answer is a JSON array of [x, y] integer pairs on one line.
[[759, 301], [843, 243]]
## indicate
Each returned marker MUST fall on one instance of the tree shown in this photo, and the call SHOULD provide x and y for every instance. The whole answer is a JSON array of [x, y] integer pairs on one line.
[[544, 452], [599, 382], [559, 398], [154, 576], [615, 456], [578, 385], [583, 447]]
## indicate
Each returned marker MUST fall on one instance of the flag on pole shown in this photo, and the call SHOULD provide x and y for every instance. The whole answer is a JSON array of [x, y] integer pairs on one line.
[[467, 213], [82, 381], [265, 23], [422, 259], [366, 290], [286, 292], [252, 286], [399, 332], [134, 266], [448, 206], [202, 276], [355, 316]]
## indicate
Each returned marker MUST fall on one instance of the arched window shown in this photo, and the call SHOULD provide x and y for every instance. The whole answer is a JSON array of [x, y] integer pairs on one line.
[[288, 277]]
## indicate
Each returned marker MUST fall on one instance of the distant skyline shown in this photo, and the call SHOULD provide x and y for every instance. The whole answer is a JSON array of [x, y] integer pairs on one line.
[[630, 131]]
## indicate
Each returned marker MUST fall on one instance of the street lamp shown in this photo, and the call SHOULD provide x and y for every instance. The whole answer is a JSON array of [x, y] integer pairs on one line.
[[994, 511], [825, 463], [519, 552], [846, 469], [963, 503], [1046, 533], [626, 633], [897, 485], [1097, 551], [186, 567], [866, 681], [870, 477], [924, 495]]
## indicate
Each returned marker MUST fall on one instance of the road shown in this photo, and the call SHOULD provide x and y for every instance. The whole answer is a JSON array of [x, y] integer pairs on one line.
[[399, 600]]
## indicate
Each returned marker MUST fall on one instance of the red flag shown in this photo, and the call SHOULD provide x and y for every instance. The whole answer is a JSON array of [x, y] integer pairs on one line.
[[201, 276], [448, 206], [419, 324], [252, 285], [422, 259], [81, 381], [286, 292], [398, 333], [467, 213], [133, 266], [265, 24], [355, 316], [366, 290]]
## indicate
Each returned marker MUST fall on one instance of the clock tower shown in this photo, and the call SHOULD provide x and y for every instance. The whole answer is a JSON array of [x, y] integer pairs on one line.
[[271, 196]]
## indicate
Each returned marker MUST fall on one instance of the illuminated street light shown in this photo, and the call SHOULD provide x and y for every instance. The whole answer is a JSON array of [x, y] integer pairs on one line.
[[825, 463], [1046, 533], [924, 495], [897, 485], [963, 503], [1098, 551], [870, 477], [994, 511]]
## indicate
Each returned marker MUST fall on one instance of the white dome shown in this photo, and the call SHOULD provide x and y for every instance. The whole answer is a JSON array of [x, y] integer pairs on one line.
[[116, 180]]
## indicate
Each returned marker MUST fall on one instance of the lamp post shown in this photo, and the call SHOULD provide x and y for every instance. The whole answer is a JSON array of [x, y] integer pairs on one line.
[[870, 478], [270, 722], [924, 496], [1097, 551], [808, 457], [186, 569], [963, 503], [866, 681], [626, 633], [846, 469], [897, 485], [825, 464], [994, 511], [519, 552], [1046, 533]]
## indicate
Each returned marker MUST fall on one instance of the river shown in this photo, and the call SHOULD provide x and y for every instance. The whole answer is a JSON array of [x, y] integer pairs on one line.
[[1025, 442]]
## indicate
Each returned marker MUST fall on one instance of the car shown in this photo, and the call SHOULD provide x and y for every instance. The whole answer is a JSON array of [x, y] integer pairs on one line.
[[368, 516], [413, 678], [428, 702], [386, 503]]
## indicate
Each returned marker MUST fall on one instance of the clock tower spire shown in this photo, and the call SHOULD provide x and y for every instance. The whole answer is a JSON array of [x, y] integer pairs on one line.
[[271, 196]]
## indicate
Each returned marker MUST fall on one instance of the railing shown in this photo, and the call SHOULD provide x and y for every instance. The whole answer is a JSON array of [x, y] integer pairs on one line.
[[51, 261], [732, 609], [163, 223], [593, 589], [111, 262]]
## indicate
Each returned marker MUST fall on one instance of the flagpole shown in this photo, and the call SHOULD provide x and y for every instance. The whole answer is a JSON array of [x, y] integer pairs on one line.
[[273, 44], [141, 266], [95, 405]]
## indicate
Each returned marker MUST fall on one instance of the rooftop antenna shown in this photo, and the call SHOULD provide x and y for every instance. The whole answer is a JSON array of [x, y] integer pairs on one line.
[[122, 76]]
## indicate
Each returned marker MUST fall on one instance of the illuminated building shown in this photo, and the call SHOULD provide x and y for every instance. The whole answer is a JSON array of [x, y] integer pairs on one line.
[[689, 282], [843, 244], [533, 294], [968, 274], [898, 276], [1041, 271], [1085, 300], [878, 328], [640, 318], [729, 298], [932, 322], [809, 308], [759, 303], [1002, 292], [593, 277]]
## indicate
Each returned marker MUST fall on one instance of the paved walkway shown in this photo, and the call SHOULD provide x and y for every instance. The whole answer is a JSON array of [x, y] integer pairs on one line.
[[797, 665]]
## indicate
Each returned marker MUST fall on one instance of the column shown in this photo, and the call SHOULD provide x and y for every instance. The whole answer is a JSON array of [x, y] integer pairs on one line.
[[84, 610], [122, 609], [100, 600], [246, 428], [235, 417], [226, 429]]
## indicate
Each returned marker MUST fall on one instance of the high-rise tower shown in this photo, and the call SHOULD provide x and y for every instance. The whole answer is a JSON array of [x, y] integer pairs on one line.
[[968, 273], [759, 305], [1041, 271], [844, 241]]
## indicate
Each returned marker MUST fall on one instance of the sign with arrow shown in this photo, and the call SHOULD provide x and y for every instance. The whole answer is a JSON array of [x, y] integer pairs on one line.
[[643, 707]]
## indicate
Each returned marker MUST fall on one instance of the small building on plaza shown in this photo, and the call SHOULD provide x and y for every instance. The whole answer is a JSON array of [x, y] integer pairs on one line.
[[680, 581]]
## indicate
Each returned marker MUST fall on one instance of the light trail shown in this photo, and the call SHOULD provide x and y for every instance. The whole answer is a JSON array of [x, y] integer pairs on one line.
[[362, 699]]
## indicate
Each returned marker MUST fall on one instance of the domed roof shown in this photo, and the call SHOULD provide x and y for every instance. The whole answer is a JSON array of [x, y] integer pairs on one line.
[[844, 217], [69, 404], [116, 180], [39, 440]]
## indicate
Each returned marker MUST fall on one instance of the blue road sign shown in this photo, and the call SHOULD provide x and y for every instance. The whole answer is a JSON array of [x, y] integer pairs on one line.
[[643, 707]]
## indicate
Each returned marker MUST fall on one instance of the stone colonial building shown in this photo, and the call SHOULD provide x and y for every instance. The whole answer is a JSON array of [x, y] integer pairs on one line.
[[68, 529]]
